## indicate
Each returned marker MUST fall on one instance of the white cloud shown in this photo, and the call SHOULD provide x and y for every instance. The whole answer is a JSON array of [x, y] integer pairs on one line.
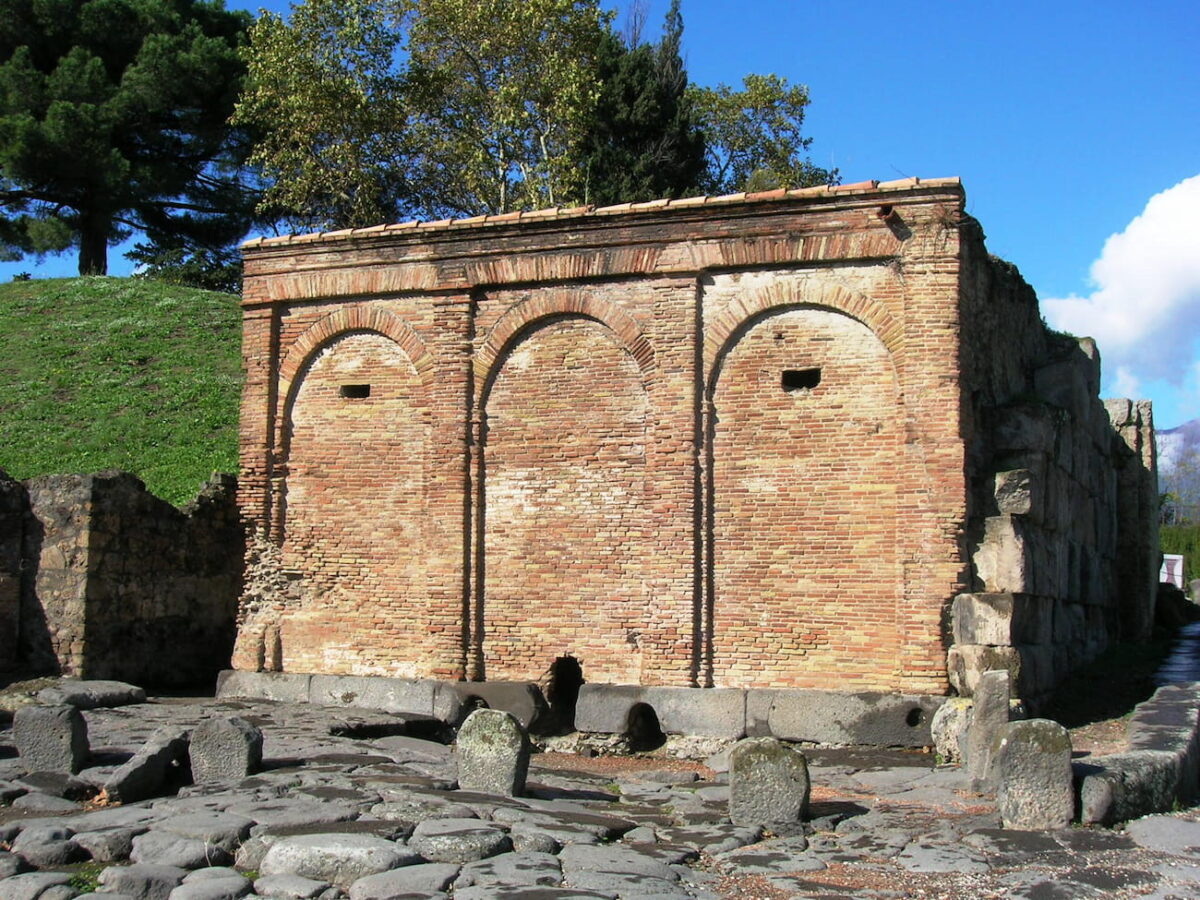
[[1145, 309], [1125, 384]]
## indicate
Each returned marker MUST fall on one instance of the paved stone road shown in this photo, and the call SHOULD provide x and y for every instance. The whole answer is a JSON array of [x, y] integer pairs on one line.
[[379, 818]]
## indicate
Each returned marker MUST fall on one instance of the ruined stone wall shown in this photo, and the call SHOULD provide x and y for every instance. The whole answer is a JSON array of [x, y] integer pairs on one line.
[[1061, 519], [471, 449], [119, 584], [12, 534]]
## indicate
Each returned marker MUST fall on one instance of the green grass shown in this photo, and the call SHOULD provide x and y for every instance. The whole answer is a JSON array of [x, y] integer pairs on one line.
[[119, 373]]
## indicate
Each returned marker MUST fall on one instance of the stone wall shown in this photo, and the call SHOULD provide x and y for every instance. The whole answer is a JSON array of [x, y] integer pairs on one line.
[[116, 583], [1062, 526], [744, 442]]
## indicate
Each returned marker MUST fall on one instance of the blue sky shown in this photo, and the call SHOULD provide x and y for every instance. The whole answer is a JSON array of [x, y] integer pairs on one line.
[[1064, 120]]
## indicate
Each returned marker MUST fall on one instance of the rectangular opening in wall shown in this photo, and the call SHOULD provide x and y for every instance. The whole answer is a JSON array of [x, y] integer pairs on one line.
[[800, 379], [355, 391]]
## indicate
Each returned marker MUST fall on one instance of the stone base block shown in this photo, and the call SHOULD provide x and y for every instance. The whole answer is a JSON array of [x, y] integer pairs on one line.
[[833, 717], [282, 686], [523, 699], [709, 712]]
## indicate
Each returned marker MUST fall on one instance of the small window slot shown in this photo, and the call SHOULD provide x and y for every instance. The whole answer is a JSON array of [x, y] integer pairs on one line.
[[794, 380], [355, 391]]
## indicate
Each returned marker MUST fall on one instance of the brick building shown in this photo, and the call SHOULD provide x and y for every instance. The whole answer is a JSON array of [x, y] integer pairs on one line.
[[814, 440]]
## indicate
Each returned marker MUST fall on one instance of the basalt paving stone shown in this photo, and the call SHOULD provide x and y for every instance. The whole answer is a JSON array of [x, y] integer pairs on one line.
[[522, 892], [458, 840], [512, 868], [716, 838], [420, 878], [920, 856]]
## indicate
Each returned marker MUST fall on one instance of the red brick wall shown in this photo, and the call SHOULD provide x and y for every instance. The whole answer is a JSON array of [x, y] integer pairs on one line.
[[355, 513], [540, 473], [566, 550], [804, 522]]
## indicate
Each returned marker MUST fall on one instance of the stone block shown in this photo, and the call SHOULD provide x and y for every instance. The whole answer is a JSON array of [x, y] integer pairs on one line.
[[523, 699], [225, 750], [149, 770], [1025, 427], [1004, 557], [966, 662], [709, 712], [1002, 619], [51, 738], [493, 753], [989, 722], [1123, 786], [768, 783], [834, 717], [1017, 492], [91, 694], [284, 687], [373, 692], [950, 727], [1033, 774]]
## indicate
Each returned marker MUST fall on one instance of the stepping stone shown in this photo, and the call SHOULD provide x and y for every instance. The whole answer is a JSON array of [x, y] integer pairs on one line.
[[224, 750], [340, 859], [493, 753], [768, 783], [458, 840], [50, 738]]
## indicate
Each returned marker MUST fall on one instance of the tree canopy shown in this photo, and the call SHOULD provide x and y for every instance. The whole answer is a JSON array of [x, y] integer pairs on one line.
[[755, 137], [113, 118], [644, 139], [370, 110]]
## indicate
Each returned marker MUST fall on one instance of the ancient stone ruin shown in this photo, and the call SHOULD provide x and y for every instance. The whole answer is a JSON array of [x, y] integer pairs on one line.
[[101, 579], [731, 454]]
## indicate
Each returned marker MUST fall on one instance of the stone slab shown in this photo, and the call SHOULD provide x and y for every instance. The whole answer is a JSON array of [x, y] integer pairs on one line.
[[835, 717], [285, 687], [708, 712]]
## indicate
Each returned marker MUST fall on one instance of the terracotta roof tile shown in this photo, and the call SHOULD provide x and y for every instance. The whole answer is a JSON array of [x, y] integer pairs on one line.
[[575, 212]]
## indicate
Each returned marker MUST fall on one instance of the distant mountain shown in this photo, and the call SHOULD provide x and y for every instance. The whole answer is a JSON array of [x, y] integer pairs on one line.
[[1175, 443]]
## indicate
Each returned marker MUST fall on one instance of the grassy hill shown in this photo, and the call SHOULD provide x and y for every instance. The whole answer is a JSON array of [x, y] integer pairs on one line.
[[127, 373]]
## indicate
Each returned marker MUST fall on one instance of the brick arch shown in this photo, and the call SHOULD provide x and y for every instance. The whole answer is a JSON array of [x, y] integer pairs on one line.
[[346, 321], [336, 325], [723, 330], [526, 314]]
